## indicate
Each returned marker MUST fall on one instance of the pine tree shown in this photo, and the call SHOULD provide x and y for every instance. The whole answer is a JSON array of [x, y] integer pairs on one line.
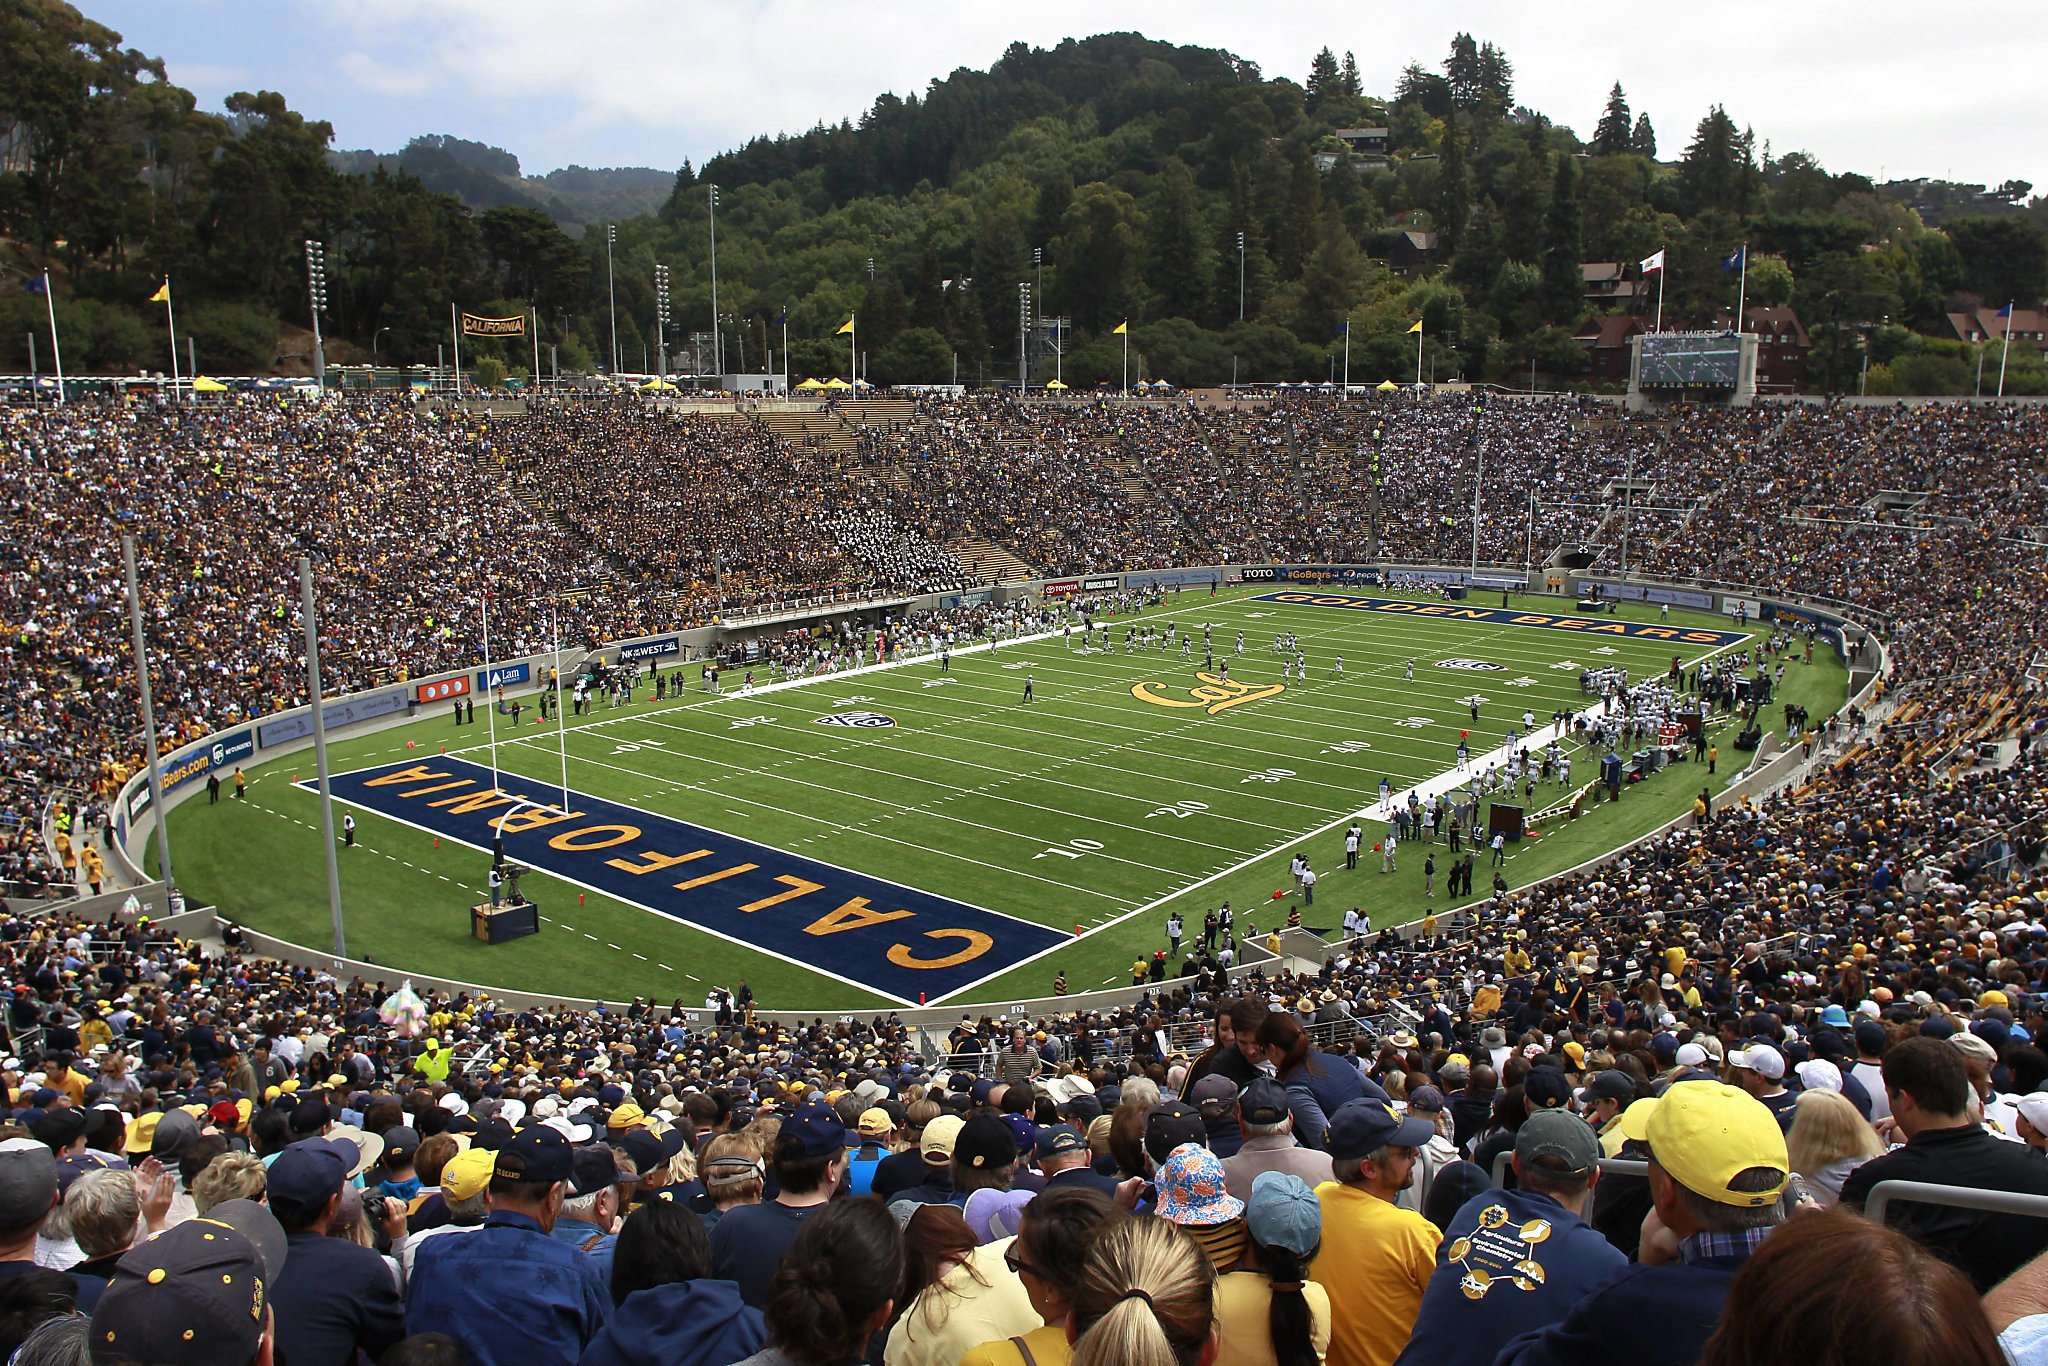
[[1563, 281], [1454, 190], [1348, 77], [1643, 142], [1323, 77], [1301, 219], [1612, 137], [1178, 257]]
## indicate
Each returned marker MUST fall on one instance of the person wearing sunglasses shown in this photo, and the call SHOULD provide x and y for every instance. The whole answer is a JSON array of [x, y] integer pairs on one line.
[[1047, 1255]]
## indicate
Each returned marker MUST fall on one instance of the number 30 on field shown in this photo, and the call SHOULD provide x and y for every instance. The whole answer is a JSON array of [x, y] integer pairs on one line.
[[1071, 849]]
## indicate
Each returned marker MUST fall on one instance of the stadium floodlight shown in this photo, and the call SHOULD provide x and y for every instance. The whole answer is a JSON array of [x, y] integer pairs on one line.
[[316, 302], [661, 320]]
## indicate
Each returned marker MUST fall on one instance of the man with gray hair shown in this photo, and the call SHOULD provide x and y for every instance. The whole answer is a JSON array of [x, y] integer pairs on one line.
[[1267, 1121], [105, 1211], [28, 1192]]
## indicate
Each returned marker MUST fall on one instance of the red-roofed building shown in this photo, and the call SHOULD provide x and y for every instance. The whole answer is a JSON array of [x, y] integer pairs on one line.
[[1607, 282], [1985, 325], [1607, 350], [1781, 347]]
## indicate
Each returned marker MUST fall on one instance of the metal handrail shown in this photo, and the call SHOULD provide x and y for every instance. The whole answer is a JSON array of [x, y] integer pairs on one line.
[[1625, 1166], [1961, 1197]]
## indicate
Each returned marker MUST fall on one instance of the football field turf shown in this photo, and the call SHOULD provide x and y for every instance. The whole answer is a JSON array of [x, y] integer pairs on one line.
[[907, 832]]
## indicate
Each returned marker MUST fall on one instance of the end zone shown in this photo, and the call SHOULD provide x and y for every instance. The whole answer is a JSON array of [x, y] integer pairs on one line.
[[865, 931], [1499, 616]]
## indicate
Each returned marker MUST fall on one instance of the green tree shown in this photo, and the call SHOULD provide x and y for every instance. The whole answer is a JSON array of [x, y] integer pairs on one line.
[[1770, 281], [1612, 137], [1301, 218], [1564, 283], [1643, 141], [1454, 189], [536, 260], [1097, 255], [916, 355], [1347, 80], [1324, 78], [1179, 260], [2003, 258]]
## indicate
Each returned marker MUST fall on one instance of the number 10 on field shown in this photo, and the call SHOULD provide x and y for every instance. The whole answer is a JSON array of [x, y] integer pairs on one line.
[[1071, 849]]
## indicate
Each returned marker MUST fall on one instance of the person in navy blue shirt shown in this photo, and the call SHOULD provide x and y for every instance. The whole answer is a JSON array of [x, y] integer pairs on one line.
[[333, 1297], [508, 1292], [1515, 1260], [1718, 1172]]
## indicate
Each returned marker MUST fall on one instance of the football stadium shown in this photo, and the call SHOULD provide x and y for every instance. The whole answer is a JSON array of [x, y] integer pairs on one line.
[[1147, 705]]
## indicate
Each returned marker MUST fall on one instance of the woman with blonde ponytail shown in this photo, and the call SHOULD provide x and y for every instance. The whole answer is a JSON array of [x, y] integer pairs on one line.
[[1146, 1298]]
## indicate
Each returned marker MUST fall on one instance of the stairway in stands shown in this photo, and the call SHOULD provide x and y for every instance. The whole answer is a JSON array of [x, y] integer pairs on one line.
[[987, 562]]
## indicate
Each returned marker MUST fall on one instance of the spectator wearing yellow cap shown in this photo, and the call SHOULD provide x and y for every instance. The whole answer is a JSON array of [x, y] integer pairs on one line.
[[1718, 1171]]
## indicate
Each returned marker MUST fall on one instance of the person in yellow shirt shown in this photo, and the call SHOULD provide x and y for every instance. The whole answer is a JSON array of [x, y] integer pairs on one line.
[[1047, 1254], [1285, 1224], [1376, 1258]]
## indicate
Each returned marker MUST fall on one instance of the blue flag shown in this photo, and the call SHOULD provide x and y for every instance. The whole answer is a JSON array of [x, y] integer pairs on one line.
[[1342, 328], [39, 284], [1736, 261], [782, 318], [2005, 312]]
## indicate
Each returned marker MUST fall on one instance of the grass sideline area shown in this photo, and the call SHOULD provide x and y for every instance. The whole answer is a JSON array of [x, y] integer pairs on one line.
[[1120, 793]]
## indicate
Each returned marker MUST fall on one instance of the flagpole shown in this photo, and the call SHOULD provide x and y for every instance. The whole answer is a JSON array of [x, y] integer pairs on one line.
[[534, 315], [1660, 300], [490, 703], [171, 317], [1418, 355], [853, 352], [455, 330], [2006, 350], [1347, 359], [56, 347], [1741, 290], [785, 350], [1127, 360]]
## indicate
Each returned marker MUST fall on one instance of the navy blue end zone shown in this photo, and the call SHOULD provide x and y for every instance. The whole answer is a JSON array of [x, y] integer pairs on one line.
[[1501, 616], [878, 935]]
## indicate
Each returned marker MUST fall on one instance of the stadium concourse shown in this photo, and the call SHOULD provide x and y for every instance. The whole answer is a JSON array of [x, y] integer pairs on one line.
[[1774, 1008]]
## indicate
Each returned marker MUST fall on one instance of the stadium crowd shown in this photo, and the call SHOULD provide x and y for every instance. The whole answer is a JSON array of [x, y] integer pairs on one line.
[[214, 1156]]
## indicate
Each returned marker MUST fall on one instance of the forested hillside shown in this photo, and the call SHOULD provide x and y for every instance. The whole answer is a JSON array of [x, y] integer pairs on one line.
[[1212, 206]]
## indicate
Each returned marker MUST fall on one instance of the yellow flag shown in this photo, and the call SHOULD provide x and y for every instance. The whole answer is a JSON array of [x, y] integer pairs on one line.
[[844, 328], [1120, 329], [1417, 327], [163, 293]]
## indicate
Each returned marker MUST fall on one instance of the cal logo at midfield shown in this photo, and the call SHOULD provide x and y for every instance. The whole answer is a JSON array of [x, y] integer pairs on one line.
[[860, 929], [1216, 694]]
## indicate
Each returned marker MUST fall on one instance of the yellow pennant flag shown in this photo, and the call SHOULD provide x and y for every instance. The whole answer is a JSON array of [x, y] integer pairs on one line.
[[163, 293], [1120, 329], [1417, 327], [844, 328]]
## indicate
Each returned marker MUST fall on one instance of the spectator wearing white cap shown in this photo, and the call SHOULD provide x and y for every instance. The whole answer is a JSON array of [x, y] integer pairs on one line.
[[1760, 1070], [2032, 1121], [1995, 1108]]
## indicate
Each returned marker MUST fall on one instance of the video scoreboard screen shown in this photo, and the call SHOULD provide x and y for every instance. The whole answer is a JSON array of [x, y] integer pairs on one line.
[[1690, 360]]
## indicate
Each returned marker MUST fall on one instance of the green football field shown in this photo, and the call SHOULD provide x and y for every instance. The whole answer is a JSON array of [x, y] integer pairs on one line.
[[1128, 787]]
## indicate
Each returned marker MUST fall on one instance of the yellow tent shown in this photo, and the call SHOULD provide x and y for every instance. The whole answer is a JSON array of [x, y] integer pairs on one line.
[[837, 383], [810, 384], [1386, 386], [658, 386], [206, 384], [1055, 384]]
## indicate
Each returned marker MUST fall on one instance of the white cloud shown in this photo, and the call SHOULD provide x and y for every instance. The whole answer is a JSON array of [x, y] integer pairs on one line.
[[609, 82]]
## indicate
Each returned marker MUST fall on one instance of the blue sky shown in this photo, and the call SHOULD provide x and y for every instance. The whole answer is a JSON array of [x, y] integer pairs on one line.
[[1875, 87]]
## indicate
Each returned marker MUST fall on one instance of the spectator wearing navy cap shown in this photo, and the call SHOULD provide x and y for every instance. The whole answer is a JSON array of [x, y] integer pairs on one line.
[[1376, 1258], [600, 1180], [808, 1161], [1268, 1124], [1064, 1161], [1869, 1069], [28, 1191], [333, 1298], [1216, 1097], [508, 1292]]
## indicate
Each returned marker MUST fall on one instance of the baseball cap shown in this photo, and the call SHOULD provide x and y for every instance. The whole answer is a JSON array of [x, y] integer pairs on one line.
[[646, 1151], [1284, 1213], [817, 1129], [1545, 1087], [28, 1182], [591, 1169], [1083, 1109], [1192, 1189], [309, 1173], [468, 1174], [538, 1156], [1818, 1074], [627, 1116], [1704, 1133], [60, 1127], [874, 1122], [1691, 1055], [1363, 1126], [1426, 1100], [1170, 1124], [1263, 1101], [939, 1137], [1565, 1141], [984, 1143], [194, 1293], [1760, 1058], [1613, 1084], [1056, 1139], [2034, 1105], [1214, 1095], [400, 1144]]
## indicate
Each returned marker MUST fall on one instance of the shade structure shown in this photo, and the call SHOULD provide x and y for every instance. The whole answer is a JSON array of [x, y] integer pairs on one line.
[[1386, 386], [836, 383], [207, 384], [810, 384], [1055, 384]]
